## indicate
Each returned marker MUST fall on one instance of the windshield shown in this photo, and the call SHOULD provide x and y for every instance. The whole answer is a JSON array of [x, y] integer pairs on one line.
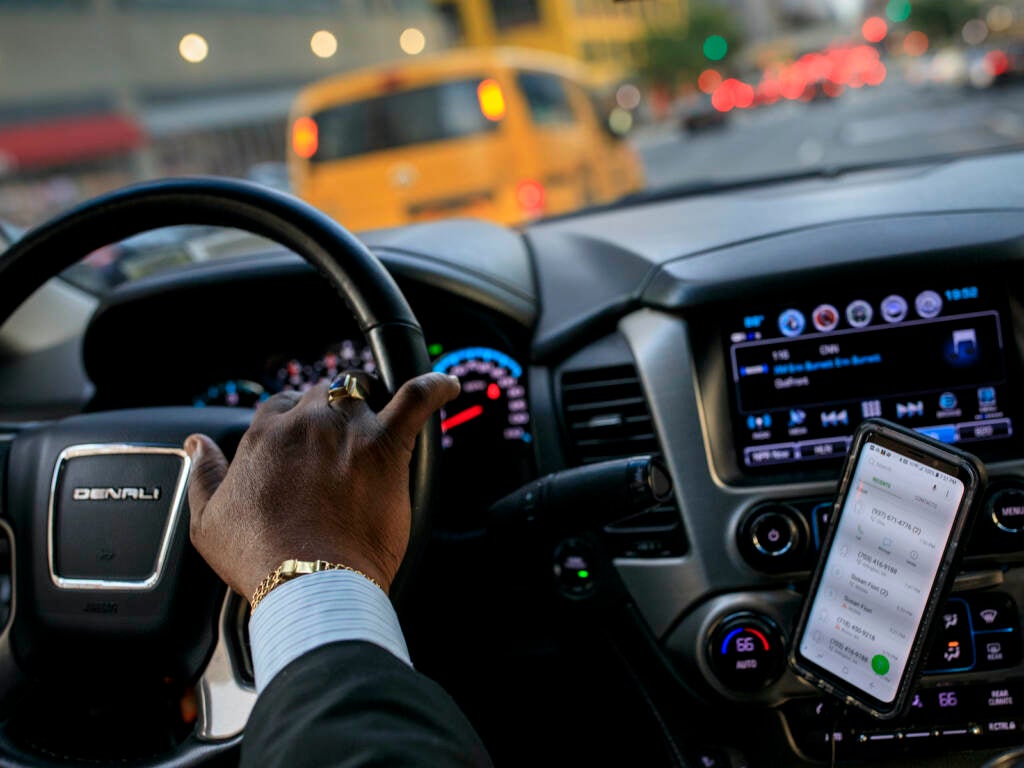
[[384, 113]]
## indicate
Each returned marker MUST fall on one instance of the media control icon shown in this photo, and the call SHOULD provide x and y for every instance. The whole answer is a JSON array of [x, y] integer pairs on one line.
[[909, 410], [761, 421], [792, 322], [835, 418], [894, 308], [871, 409], [825, 317], [859, 313], [928, 304]]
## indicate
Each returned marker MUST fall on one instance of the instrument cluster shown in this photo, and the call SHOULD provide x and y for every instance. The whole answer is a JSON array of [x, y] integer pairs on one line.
[[486, 430]]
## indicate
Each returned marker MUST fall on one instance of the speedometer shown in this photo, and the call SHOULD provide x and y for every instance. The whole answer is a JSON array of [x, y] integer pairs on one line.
[[492, 404], [485, 432]]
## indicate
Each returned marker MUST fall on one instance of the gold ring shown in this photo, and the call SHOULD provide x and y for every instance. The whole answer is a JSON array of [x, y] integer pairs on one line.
[[344, 387]]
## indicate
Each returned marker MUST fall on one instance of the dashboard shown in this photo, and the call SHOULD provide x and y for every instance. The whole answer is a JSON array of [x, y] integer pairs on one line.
[[741, 336]]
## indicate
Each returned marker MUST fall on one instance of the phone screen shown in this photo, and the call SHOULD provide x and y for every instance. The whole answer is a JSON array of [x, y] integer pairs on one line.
[[890, 541]]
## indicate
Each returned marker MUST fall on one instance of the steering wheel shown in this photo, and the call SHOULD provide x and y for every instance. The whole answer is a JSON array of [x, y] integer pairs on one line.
[[108, 596]]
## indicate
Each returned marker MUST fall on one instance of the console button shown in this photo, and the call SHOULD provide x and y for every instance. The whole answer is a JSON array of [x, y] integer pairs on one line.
[[922, 709], [997, 650], [746, 652], [1002, 727], [762, 455], [773, 534], [1007, 510], [773, 538], [821, 517], [953, 649], [992, 611], [998, 699]]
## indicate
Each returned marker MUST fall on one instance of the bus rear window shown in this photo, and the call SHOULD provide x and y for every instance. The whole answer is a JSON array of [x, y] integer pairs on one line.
[[400, 119]]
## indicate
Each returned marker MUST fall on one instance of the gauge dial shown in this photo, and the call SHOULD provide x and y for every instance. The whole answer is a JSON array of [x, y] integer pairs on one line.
[[485, 433], [233, 393], [295, 375], [492, 404]]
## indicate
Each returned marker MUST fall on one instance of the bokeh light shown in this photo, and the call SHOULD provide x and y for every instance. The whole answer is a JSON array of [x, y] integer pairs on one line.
[[874, 29], [915, 43], [999, 18], [620, 121], [898, 10], [709, 80], [716, 47], [193, 48], [323, 44], [412, 41], [628, 96], [974, 32], [997, 63]]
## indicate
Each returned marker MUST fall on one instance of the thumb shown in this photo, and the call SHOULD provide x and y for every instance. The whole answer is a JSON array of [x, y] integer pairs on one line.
[[415, 402], [208, 469]]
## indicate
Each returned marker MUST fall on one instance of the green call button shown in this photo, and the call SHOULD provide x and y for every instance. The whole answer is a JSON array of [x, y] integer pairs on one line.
[[880, 664]]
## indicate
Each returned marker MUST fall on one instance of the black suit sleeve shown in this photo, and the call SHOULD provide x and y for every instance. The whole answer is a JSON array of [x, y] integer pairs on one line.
[[352, 704]]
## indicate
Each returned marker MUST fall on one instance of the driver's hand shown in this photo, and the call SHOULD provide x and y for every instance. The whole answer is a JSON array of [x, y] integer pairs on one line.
[[312, 482]]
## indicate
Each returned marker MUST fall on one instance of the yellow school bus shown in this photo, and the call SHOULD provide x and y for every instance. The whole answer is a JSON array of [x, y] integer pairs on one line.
[[499, 134]]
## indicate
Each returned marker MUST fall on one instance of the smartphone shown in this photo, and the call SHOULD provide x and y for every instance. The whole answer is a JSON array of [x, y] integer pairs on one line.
[[888, 560]]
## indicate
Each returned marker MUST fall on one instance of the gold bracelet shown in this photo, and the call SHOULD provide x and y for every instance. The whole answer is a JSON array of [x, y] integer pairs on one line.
[[290, 569]]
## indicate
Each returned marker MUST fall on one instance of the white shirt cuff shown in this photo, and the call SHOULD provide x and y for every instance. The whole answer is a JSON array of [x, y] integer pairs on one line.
[[316, 609]]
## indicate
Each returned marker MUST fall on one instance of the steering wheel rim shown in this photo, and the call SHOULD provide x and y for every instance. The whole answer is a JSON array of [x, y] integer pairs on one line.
[[369, 291]]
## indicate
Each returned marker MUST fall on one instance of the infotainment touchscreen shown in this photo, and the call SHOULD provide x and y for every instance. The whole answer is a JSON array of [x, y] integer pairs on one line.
[[806, 373]]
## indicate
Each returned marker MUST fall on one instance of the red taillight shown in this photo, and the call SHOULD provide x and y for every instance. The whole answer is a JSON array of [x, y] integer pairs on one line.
[[997, 63], [305, 137], [531, 196]]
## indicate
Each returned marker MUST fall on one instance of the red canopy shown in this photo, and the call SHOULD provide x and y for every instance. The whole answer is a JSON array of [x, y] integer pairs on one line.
[[67, 140]]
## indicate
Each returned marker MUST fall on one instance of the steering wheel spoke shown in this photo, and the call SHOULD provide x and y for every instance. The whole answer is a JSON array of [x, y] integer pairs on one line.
[[226, 691]]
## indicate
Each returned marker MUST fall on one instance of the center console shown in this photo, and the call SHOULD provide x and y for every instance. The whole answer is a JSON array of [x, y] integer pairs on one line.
[[783, 385]]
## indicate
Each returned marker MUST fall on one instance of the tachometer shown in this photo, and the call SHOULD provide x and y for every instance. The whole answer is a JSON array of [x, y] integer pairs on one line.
[[298, 375]]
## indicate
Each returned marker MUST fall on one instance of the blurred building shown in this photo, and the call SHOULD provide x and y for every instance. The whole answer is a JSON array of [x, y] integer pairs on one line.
[[768, 19], [606, 34], [96, 93]]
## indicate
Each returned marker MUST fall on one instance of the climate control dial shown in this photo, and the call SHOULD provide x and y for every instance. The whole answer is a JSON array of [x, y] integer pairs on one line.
[[746, 652]]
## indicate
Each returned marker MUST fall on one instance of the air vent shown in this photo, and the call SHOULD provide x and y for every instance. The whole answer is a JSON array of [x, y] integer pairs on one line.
[[606, 414]]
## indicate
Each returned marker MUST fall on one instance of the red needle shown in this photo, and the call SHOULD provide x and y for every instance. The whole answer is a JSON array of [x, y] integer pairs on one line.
[[462, 417]]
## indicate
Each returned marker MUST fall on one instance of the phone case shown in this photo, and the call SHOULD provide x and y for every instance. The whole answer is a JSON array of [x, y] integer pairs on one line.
[[975, 480]]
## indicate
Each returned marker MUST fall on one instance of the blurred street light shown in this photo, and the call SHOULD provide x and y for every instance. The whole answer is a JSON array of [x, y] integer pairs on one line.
[[412, 41], [323, 44], [193, 48]]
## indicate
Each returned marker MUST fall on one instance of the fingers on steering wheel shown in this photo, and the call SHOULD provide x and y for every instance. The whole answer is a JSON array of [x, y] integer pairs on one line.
[[209, 466], [415, 402]]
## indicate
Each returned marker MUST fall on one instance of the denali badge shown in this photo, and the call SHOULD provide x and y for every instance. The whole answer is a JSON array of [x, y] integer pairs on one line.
[[116, 494]]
